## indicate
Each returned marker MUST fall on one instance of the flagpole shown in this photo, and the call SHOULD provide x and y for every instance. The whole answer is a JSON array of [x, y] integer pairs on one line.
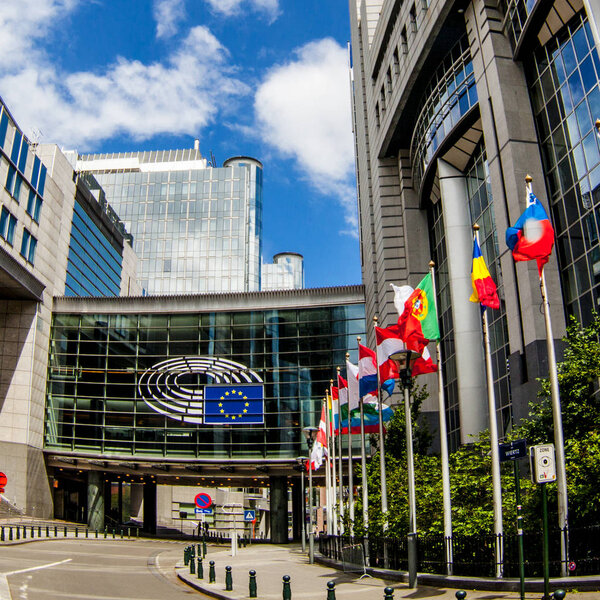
[[384, 496], [447, 501], [340, 456], [350, 465], [363, 462], [496, 483], [328, 476], [333, 460], [559, 443]]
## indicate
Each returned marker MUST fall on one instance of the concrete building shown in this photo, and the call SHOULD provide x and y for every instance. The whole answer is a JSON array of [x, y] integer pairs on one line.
[[53, 236], [455, 102]]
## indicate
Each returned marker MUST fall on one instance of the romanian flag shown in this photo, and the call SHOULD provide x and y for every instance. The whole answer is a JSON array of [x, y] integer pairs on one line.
[[418, 320], [484, 288], [532, 237]]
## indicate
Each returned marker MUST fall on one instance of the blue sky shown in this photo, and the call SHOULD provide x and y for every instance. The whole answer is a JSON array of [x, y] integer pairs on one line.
[[265, 78]]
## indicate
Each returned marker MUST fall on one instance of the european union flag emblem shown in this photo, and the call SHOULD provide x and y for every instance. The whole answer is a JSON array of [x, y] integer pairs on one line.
[[233, 404]]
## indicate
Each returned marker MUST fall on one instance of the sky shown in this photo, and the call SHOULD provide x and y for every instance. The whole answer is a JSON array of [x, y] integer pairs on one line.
[[262, 78]]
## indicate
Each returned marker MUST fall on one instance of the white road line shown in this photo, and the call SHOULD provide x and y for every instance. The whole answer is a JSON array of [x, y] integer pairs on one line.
[[5, 590]]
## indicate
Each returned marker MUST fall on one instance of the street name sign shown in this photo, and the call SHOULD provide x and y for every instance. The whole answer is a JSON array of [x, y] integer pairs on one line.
[[203, 511]]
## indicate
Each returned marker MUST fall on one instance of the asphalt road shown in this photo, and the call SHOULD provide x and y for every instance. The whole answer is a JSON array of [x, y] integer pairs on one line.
[[103, 570]]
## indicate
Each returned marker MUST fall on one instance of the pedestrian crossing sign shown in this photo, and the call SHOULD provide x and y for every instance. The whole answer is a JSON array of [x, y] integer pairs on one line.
[[249, 515]]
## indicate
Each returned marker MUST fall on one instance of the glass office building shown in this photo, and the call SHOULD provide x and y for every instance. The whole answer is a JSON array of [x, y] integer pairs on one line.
[[131, 382], [196, 227]]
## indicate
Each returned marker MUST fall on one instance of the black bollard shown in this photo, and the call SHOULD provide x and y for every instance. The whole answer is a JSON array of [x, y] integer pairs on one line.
[[388, 593], [192, 566], [87, 532], [10, 537], [47, 531], [331, 590], [121, 533], [113, 531], [32, 532], [2, 535], [24, 532], [55, 531], [18, 532], [228, 579], [559, 594], [39, 531], [211, 572], [65, 532], [287, 590], [252, 585], [461, 595], [96, 531], [105, 532], [200, 568], [186, 556], [76, 532]]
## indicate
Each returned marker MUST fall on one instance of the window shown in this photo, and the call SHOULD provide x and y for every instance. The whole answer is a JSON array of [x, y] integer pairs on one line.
[[28, 245], [404, 41], [7, 225], [413, 19], [34, 206], [3, 128]]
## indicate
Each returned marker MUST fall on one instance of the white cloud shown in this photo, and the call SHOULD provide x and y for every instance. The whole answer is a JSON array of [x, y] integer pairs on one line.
[[167, 14], [230, 8], [303, 110], [179, 95]]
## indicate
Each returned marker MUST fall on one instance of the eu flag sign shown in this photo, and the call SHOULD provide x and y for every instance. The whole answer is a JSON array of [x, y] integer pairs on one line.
[[233, 404]]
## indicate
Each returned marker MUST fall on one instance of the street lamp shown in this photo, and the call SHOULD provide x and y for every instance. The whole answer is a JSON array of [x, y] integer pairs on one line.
[[310, 433], [404, 360], [302, 462]]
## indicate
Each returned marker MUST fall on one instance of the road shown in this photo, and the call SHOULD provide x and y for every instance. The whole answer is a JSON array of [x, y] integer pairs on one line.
[[90, 569]]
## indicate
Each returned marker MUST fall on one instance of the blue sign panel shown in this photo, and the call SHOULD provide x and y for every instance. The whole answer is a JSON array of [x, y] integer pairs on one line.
[[512, 450], [249, 515], [204, 511], [233, 404]]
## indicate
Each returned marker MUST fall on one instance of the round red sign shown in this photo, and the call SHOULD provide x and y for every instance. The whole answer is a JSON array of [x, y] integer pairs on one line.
[[203, 501], [3, 481]]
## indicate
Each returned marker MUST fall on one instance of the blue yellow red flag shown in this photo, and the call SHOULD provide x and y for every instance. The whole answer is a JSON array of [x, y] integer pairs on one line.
[[484, 288]]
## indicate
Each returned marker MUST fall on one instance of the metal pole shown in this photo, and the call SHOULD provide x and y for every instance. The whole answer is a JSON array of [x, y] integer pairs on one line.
[[496, 482], [561, 477], [331, 443], [383, 477], [350, 462], [328, 505], [363, 459], [303, 506], [340, 469], [444, 455], [519, 530], [311, 538], [546, 544], [412, 502]]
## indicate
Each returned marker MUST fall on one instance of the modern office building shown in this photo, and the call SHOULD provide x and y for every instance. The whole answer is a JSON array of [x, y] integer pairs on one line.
[[55, 239], [286, 272], [197, 228], [455, 102], [131, 404]]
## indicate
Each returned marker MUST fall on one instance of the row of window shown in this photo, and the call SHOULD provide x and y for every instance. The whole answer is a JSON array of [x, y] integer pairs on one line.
[[393, 71]]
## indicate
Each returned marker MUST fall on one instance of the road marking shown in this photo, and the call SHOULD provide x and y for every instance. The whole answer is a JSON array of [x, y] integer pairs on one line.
[[5, 590]]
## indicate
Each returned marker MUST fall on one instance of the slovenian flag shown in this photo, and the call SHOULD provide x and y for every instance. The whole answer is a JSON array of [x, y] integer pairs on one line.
[[353, 406], [532, 237], [484, 288]]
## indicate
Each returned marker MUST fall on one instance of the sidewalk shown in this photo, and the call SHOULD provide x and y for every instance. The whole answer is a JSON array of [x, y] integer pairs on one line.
[[272, 562]]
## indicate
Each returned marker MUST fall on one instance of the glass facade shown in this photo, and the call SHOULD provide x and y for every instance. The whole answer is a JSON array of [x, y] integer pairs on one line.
[[196, 228], [449, 96], [563, 82], [94, 265], [95, 402], [286, 273]]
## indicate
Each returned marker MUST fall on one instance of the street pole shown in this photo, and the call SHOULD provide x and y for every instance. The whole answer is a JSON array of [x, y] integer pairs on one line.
[[340, 469], [311, 533], [546, 543], [412, 502]]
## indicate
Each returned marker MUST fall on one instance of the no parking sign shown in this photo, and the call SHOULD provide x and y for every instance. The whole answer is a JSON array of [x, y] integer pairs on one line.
[[3, 481], [203, 500]]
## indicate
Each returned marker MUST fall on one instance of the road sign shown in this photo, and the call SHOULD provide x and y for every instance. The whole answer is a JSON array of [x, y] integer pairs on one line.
[[249, 515], [204, 511], [513, 450], [543, 465], [203, 500], [3, 481]]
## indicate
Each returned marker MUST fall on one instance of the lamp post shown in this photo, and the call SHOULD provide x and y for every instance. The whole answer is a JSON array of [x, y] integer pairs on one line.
[[310, 433], [302, 462], [404, 360]]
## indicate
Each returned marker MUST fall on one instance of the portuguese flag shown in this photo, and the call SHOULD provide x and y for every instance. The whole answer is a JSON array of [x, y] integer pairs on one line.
[[418, 323]]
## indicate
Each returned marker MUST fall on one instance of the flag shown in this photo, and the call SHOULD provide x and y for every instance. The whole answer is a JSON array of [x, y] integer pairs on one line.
[[388, 342], [319, 448], [233, 404], [367, 371], [343, 396], [418, 318], [334, 409], [353, 406], [532, 237], [484, 288]]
